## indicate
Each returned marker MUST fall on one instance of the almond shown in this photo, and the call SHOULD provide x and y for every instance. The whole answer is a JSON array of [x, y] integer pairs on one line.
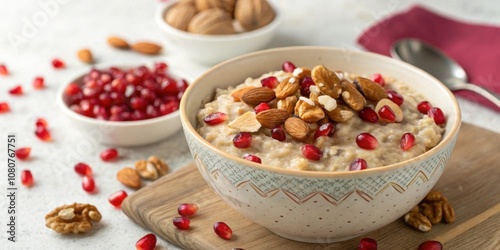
[[301, 72], [296, 128], [370, 89], [351, 96], [340, 114], [179, 15], [129, 177], [118, 42], [287, 87], [246, 123], [238, 93], [147, 48], [272, 117], [327, 81], [85, 55], [258, 95]]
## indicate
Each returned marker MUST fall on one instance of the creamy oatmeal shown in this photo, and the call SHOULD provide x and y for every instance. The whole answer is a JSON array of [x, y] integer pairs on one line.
[[336, 99]]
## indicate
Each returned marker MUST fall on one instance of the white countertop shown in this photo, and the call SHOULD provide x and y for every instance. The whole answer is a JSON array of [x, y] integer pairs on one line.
[[68, 26]]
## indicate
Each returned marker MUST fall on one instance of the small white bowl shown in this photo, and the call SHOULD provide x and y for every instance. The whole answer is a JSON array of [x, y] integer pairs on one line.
[[126, 133], [211, 49]]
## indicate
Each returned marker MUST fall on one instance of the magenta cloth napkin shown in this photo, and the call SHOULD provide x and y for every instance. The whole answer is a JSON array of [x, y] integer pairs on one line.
[[475, 47]]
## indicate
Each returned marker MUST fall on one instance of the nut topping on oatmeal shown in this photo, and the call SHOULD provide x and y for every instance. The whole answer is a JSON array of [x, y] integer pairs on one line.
[[370, 89], [246, 123], [308, 111], [340, 114], [288, 104], [258, 95], [287, 87], [398, 113], [296, 128], [238, 93], [272, 117], [351, 96], [327, 81]]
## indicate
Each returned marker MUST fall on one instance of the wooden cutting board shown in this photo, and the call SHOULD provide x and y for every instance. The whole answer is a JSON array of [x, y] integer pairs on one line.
[[471, 182]]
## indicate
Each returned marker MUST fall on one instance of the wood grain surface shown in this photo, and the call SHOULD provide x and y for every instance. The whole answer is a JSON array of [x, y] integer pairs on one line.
[[471, 182]]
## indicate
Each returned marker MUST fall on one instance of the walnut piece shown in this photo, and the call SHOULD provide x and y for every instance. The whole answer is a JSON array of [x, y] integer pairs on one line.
[[74, 218], [159, 164]]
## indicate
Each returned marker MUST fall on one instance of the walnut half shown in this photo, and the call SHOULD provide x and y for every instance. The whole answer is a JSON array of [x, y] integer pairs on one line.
[[74, 218]]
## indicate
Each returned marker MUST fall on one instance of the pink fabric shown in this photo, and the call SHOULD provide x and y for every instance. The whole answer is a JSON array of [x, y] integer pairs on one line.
[[475, 47]]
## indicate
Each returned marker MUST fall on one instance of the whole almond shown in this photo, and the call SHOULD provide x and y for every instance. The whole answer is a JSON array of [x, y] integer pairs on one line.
[[287, 87], [253, 14], [179, 15], [129, 177], [351, 96], [118, 42], [85, 55], [327, 81], [147, 48], [238, 93], [258, 95], [212, 21], [370, 89], [296, 128], [272, 117]]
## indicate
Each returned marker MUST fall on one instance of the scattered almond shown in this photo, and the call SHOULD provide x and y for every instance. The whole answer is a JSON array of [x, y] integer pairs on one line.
[[272, 117], [370, 89], [238, 93], [118, 42], [147, 48], [85, 55], [296, 128], [258, 95], [327, 81], [129, 177]]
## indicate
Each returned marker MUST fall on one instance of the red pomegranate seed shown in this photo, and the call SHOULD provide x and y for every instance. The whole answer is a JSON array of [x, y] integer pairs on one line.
[[43, 134], [358, 164], [16, 90], [73, 89], [305, 86], [437, 114], [326, 129], [138, 103], [4, 107], [57, 63], [160, 66], [367, 244], [368, 114], [215, 118], [395, 97], [223, 230], [40, 122], [187, 209], [278, 133], [366, 141], [83, 169], [261, 107], [39, 83], [288, 66], [311, 152], [117, 198], [407, 141], [378, 79], [4, 70], [23, 153], [181, 223], [88, 184], [424, 107], [242, 140], [109, 154], [147, 242], [254, 158], [430, 245], [270, 82], [26, 178], [387, 114]]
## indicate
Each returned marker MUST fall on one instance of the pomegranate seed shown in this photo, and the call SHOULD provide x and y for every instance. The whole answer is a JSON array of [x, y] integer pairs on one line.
[[424, 107], [438, 115], [407, 141], [43, 134], [117, 198], [242, 140], [326, 129], [83, 169], [430, 245], [147, 242], [378, 79], [254, 158], [26, 178], [16, 90], [366, 141], [223, 230], [39, 83], [358, 164], [138, 103], [305, 86], [4, 107], [169, 107], [367, 244], [270, 82], [311, 152], [261, 107], [72, 89], [169, 87], [181, 223], [278, 133], [109, 154], [3, 70], [57, 63], [395, 97], [215, 118], [387, 114], [187, 209], [160, 66], [288, 66], [23, 153], [368, 114], [40, 122], [88, 184]]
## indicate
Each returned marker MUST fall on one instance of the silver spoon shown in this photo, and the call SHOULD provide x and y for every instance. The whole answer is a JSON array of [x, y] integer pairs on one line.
[[438, 64]]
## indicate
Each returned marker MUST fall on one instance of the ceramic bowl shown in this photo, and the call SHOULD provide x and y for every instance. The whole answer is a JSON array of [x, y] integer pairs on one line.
[[314, 206], [122, 133], [211, 49]]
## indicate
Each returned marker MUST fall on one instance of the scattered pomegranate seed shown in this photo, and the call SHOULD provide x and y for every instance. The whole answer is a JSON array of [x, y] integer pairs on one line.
[[223, 230], [368, 114], [41, 122], [305, 86], [4, 107], [23, 153], [288, 66], [109, 154], [270, 82], [438, 115], [261, 107], [424, 107], [3, 70], [366, 141], [83, 169], [430, 245], [88, 184], [187, 209], [43, 134], [311, 152], [254, 158], [73, 89], [26, 178], [395, 97], [326, 129], [181, 223], [242, 140], [160, 66], [215, 118], [57, 63], [278, 133], [147, 242], [378, 79], [39, 83], [367, 244], [407, 141], [358, 164], [387, 114], [16, 90], [117, 198]]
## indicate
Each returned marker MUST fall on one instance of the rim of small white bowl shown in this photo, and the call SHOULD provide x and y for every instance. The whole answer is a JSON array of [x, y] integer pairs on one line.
[[66, 109], [215, 38], [323, 174]]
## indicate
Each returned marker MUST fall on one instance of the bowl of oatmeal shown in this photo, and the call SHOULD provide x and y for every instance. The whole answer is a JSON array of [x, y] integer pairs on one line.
[[319, 144]]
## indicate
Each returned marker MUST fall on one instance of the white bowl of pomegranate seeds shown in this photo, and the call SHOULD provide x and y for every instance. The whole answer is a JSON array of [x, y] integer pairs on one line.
[[328, 203], [125, 105]]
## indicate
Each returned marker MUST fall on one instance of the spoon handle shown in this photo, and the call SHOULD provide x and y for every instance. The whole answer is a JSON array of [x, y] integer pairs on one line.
[[488, 95]]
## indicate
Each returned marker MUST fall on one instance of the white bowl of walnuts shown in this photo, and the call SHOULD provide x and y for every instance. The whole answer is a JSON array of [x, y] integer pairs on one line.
[[210, 31]]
